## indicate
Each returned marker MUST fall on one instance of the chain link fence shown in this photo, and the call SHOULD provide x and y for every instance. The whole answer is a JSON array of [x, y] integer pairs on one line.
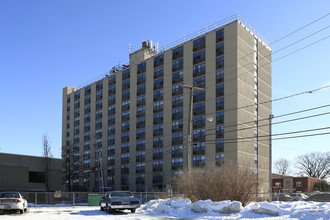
[[36, 199], [58, 198]]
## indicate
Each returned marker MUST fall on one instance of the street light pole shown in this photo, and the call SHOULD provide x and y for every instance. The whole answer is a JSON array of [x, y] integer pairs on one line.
[[190, 123], [271, 116]]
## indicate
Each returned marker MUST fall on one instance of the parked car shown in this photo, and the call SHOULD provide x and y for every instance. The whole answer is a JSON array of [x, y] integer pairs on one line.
[[13, 201], [119, 200]]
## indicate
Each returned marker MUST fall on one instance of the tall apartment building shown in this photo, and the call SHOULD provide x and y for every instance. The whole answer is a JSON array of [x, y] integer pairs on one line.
[[130, 128]]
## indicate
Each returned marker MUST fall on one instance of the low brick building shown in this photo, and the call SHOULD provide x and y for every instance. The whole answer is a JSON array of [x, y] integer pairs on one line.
[[291, 184]]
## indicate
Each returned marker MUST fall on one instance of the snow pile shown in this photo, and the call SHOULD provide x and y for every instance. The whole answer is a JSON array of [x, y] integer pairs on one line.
[[225, 207], [266, 208], [204, 209], [165, 206]]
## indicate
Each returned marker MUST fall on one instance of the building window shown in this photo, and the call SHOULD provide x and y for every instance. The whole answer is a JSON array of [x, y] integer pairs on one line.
[[199, 44], [158, 141], [220, 63], [177, 90], [199, 57], [125, 95], [37, 177], [278, 184], [177, 53], [141, 89], [99, 95], [299, 184], [158, 153], [220, 117], [219, 50], [199, 121], [220, 76], [158, 106], [141, 68], [157, 164], [158, 72], [220, 35], [177, 138], [177, 126], [158, 118], [220, 131], [177, 163], [220, 90], [112, 80], [141, 78], [158, 130], [177, 77], [125, 126], [141, 100], [140, 122], [219, 158], [177, 101], [99, 104], [125, 84], [112, 109], [125, 105], [177, 113], [140, 167], [199, 108], [158, 83], [99, 85], [199, 148], [199, 96], [177, 65], [140, 145], [88, 90], [125, 137], [220, 145], [125, 74], [199, 135], [140, 156], [158, 95], [140, 133], [199, 160], [111, 119], [77, 95], [159, 60], [112, 90], [199, 69], [140, 111], [199, 81]]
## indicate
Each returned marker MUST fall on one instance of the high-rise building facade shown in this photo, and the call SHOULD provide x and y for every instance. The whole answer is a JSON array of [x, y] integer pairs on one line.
[[129, 130]]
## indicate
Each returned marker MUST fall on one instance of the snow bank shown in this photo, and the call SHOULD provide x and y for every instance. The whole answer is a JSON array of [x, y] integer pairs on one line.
[[225, 207], [203, 209], [266, 208]]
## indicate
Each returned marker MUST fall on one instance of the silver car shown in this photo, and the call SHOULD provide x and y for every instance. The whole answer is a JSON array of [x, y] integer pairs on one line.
[[13, 201], [119, 200]]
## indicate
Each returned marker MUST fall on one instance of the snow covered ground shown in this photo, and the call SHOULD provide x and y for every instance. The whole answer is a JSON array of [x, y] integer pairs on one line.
[[184, 209]]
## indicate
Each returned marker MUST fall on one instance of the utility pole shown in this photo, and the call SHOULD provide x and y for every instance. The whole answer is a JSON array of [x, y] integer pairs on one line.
[[271, 116], [191, 89]]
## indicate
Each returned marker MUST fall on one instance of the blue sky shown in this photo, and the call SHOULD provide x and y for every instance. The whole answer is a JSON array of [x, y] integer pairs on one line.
[[48, 45]]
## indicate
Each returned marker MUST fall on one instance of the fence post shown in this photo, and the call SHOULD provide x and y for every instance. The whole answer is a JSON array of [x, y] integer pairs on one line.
[[73, 198], [36, 199]]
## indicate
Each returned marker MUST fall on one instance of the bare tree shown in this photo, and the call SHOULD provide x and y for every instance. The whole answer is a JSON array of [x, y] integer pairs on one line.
[[314, 164], [47, 154], [282, 166]]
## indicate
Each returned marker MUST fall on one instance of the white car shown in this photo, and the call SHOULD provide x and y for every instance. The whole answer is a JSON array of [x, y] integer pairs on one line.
[[12, 201]]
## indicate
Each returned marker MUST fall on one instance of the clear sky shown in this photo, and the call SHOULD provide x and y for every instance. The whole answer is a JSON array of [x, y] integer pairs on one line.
[[48, 45]]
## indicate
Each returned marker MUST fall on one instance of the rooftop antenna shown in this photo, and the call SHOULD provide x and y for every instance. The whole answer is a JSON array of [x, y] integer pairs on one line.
[[129, 48]]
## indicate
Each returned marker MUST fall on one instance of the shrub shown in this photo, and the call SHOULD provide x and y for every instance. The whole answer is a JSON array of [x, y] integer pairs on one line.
[[227, 182]]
